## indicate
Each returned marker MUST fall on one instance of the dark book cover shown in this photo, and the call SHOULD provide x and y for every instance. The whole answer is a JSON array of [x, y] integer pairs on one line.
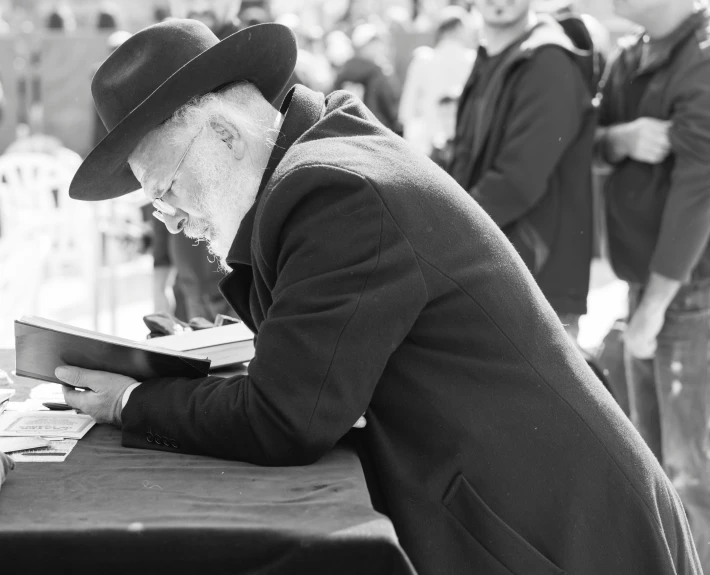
[[43, 345]]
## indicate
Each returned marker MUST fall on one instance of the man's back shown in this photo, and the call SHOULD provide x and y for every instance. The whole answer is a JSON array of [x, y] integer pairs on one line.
[[489, 441]]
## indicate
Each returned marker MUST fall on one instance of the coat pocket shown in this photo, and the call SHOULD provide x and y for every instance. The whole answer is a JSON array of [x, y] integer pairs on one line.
[[500, 540]]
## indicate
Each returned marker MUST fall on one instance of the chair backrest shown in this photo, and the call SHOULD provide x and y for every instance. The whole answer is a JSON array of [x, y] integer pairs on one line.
[[30, 187], [38, 225]]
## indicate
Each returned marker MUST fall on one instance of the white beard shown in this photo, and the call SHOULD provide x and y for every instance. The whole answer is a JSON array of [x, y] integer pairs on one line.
[[226, 195]]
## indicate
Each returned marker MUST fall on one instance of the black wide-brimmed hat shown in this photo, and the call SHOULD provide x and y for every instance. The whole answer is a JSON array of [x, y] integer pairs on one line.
[[158, 70]]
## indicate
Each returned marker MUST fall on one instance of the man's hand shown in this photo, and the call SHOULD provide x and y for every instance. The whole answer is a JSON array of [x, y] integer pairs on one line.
[[647, 320], [6, 465], [644, 140], [640, 336], [103, 396]]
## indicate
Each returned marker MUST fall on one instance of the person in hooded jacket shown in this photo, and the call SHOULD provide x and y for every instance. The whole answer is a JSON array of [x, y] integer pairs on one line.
[[524, 145]]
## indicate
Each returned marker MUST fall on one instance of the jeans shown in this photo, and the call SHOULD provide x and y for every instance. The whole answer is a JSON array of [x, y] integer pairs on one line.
[[670, 403]]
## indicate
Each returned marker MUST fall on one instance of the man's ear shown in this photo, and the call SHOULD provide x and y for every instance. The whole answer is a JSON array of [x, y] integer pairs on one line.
[[231, 136]]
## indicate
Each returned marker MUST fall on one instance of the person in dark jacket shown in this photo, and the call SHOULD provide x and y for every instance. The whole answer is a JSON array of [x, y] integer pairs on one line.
[[655, 113], [368, 76], [375, 285], [524, 145]]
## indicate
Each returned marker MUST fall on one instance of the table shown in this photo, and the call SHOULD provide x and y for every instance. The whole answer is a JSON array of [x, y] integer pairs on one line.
[[110, 509]]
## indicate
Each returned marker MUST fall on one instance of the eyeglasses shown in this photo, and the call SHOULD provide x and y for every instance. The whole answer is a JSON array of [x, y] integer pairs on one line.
[[158, 203]]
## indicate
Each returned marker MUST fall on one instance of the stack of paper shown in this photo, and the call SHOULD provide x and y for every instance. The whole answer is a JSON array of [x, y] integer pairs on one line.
[[31, 435]]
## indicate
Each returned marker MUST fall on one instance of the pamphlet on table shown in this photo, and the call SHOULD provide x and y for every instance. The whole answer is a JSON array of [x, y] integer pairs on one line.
[[55, 450], [45, 424]]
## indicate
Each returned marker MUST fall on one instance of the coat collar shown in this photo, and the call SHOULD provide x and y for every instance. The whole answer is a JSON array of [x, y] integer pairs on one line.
[[301, 108], [655, 53]]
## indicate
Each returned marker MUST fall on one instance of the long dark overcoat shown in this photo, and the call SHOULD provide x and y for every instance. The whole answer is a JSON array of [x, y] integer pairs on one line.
[[377, 285]]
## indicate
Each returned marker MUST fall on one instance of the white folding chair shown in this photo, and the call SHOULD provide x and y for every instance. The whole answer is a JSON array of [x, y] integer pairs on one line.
[[37, 215]]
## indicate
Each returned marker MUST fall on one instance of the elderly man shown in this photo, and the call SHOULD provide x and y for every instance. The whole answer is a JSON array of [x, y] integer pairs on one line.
[[375, 285]]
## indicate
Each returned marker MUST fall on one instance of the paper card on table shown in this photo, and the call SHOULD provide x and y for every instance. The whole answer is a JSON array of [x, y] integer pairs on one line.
[[27, 405], [55, 452], [48, 392], [45, 424], [10, 444]]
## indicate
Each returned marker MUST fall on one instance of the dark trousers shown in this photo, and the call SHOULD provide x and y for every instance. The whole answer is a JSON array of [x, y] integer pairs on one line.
[[670, 403]]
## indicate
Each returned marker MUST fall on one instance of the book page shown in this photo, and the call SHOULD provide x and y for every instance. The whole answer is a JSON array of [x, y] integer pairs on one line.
[[202, 338]]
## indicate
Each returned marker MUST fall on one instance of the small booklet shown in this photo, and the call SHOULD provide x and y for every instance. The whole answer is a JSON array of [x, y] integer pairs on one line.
[[12, 444], [42, 345], [45, 424], [225, 345], [55, 451]]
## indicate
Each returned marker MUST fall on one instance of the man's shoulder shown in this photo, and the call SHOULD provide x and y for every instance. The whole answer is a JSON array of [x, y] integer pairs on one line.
[[552, 55], [550, 50], [347, 144], [692, 64], [549, 66], [326, 155]]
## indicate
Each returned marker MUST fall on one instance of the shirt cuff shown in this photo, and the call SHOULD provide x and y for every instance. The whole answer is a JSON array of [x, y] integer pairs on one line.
[[127, 394]]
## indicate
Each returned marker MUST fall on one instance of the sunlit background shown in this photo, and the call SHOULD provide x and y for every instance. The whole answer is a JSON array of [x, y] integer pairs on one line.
[[91, 264]]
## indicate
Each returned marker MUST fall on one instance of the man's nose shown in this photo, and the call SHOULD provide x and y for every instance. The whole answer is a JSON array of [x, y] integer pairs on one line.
[[175, 223]]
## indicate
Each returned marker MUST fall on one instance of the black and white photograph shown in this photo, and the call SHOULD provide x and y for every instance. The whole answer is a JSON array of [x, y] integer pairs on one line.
[[355, 287]]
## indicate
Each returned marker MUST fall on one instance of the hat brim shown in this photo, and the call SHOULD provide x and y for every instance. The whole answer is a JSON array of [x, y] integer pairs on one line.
[[264, 55]]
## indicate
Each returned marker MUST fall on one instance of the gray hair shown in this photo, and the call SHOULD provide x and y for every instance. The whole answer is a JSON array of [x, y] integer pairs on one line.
[[240, 104]]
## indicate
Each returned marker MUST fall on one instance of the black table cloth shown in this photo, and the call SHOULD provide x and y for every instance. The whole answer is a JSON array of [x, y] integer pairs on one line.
[[110, 509]]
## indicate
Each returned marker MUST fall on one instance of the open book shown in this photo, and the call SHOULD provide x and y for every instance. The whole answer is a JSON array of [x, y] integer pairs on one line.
[[225, 345], [41, 345]]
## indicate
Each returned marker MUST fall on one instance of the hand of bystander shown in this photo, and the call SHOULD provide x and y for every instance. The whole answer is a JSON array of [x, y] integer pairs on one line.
[[644, 140], [647, 320]]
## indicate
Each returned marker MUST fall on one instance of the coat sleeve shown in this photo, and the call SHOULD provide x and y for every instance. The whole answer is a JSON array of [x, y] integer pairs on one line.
[[546, 115], [685, 226], [342, 288]]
